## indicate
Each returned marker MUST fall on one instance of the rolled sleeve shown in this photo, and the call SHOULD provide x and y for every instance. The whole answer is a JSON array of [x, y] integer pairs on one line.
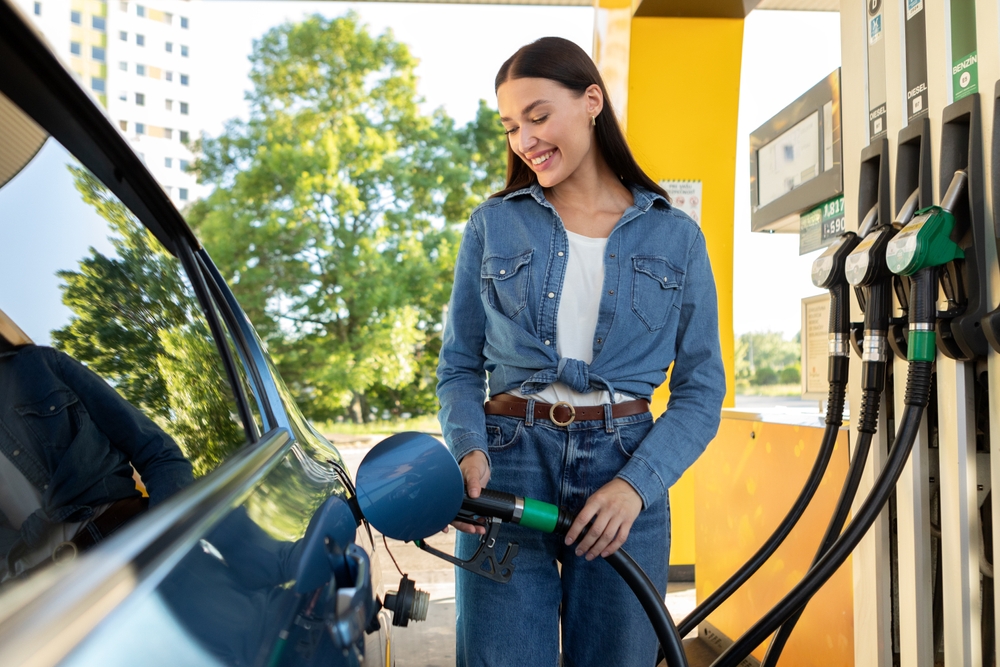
[[461, 373], [697, 388]]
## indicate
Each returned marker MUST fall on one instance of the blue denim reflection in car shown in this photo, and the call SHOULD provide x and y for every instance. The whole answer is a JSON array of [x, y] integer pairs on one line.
[[76, 439], [658, 308]]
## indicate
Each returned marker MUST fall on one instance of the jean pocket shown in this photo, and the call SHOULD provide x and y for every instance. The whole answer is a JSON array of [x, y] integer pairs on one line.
[[655, 284], [505, 281], [629, 436], [499, 438], [54, 421]]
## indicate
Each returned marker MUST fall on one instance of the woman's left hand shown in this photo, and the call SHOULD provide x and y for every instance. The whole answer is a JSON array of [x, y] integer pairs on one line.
[[613, 509]]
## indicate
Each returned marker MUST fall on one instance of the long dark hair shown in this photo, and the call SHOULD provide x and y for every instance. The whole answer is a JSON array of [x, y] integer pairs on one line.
[[564, 62]]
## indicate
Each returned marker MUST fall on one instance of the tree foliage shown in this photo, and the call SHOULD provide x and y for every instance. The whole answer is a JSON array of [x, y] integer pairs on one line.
[[136, 323], [758, 350], [334, 210]]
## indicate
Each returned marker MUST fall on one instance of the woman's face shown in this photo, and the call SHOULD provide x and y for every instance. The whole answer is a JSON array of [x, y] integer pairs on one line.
[[549, 126]]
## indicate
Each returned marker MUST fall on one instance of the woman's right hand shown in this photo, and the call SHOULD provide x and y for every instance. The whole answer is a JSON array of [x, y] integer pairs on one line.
[[476, 473]]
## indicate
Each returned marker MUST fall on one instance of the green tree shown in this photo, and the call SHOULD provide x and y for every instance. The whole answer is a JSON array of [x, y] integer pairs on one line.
[[334, 214], [136, 324], [759, 349]]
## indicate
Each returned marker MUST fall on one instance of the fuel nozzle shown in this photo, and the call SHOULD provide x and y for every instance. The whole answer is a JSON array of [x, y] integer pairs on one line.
[[526, 512], [926, 240]]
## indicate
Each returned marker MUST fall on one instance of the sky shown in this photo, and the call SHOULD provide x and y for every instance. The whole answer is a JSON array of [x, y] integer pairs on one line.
[[784, 54]]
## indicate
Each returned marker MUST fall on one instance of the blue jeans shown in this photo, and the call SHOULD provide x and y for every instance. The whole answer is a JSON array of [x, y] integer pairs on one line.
[[517, 624]]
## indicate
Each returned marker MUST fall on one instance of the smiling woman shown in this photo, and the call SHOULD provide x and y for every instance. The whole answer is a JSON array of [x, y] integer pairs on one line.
[[576, 287]]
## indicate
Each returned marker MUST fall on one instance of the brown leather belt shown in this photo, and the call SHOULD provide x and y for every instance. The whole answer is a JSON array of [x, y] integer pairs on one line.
[[110, 520], [561, 413]]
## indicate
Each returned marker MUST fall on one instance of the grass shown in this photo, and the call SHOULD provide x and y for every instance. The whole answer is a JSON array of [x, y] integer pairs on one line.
[[744, 388], [426, 423]]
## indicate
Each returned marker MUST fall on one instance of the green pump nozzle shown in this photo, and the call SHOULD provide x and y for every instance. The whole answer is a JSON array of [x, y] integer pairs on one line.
[[926, 241]]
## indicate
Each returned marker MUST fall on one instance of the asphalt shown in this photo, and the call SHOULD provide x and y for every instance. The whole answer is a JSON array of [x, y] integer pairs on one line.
[[431, 643]]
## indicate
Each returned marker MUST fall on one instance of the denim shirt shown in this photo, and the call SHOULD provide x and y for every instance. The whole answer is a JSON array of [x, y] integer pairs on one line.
[[76, 439], [658, 308]]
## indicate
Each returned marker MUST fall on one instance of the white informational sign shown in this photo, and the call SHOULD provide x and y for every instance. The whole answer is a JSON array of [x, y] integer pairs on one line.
[[789, 161], [685, 196], [815, 346]]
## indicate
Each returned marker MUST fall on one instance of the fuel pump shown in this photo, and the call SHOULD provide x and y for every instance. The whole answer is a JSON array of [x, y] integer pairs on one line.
[[827, 273], [917, 251], [867, 271]]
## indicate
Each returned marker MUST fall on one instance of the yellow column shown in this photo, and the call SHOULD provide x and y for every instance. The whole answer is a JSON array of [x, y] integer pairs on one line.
[[683, 101]]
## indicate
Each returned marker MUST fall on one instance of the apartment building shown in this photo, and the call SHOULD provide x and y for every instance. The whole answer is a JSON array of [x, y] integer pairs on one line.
[[138, 58]]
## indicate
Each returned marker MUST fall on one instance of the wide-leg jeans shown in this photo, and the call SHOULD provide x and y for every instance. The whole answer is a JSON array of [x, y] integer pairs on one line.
[[518, 624]]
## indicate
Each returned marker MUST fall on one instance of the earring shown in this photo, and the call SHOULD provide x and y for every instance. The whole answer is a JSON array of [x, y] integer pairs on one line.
[[593, 121]]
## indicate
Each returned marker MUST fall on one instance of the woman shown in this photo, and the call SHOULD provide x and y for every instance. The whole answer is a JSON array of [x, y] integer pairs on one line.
[[576, 287]]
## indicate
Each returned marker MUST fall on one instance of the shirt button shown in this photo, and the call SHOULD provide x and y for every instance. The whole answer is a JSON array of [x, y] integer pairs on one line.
[[664, 279], [600, 340], [503, 271], [45, 488], [52, 407], [17, 452], [611, 291], [612, 254], [552, 295], [560, 253], [547, 342]]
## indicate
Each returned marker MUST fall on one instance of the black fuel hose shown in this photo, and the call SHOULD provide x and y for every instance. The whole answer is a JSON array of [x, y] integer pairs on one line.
[[918, 385], [549, 518], [837, 375], [873, 374]]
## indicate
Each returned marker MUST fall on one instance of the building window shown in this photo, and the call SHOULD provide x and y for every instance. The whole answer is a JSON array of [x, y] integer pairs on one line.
[[140, 128], [184, 79], [140, 40], [74, 18], [184, 51], [182, 194], [169, 76], [124, 125], [184, 137], [123, 5], [168, 18], [184, 22], [183, 164], [168, 133], [122, 35], [169, 104], [74, 48], [140, 10], [184, 108], [97, 84], [140, 70], [123, 66], [169, 46], [38, 9], [98, 23], [123, 96], [97, 53], [140, 99], [168, 162]]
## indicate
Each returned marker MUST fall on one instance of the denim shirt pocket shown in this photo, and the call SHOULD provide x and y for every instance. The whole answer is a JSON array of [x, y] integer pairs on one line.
[[655, 284], [53, 421], [505, 282]]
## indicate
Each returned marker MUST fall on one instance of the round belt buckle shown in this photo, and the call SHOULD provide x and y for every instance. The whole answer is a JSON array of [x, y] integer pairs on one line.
[[552, 414], [64, 551]]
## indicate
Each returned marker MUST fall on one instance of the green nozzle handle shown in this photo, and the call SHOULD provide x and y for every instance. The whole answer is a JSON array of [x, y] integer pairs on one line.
[[526, 512]]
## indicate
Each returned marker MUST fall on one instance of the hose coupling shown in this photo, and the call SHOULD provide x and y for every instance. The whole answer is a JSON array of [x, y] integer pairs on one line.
[[875, 348], [839, 345]]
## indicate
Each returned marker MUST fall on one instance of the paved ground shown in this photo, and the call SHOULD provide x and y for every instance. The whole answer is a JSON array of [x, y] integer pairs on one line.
[[432, 642]]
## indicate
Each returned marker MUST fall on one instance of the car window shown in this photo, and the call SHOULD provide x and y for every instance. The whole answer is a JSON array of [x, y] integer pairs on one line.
[[111, 383]]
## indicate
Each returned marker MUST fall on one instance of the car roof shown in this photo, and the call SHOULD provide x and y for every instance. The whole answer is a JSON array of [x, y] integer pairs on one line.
[[36, 81]]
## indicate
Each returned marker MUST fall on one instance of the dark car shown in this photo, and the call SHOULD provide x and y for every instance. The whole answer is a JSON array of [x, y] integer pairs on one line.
[[136, 361]]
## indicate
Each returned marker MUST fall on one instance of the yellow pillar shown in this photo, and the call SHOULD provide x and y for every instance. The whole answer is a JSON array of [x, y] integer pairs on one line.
[[683, 102]]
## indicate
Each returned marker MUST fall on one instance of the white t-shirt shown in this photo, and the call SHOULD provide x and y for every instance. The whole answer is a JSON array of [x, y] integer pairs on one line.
[[576, 321]]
